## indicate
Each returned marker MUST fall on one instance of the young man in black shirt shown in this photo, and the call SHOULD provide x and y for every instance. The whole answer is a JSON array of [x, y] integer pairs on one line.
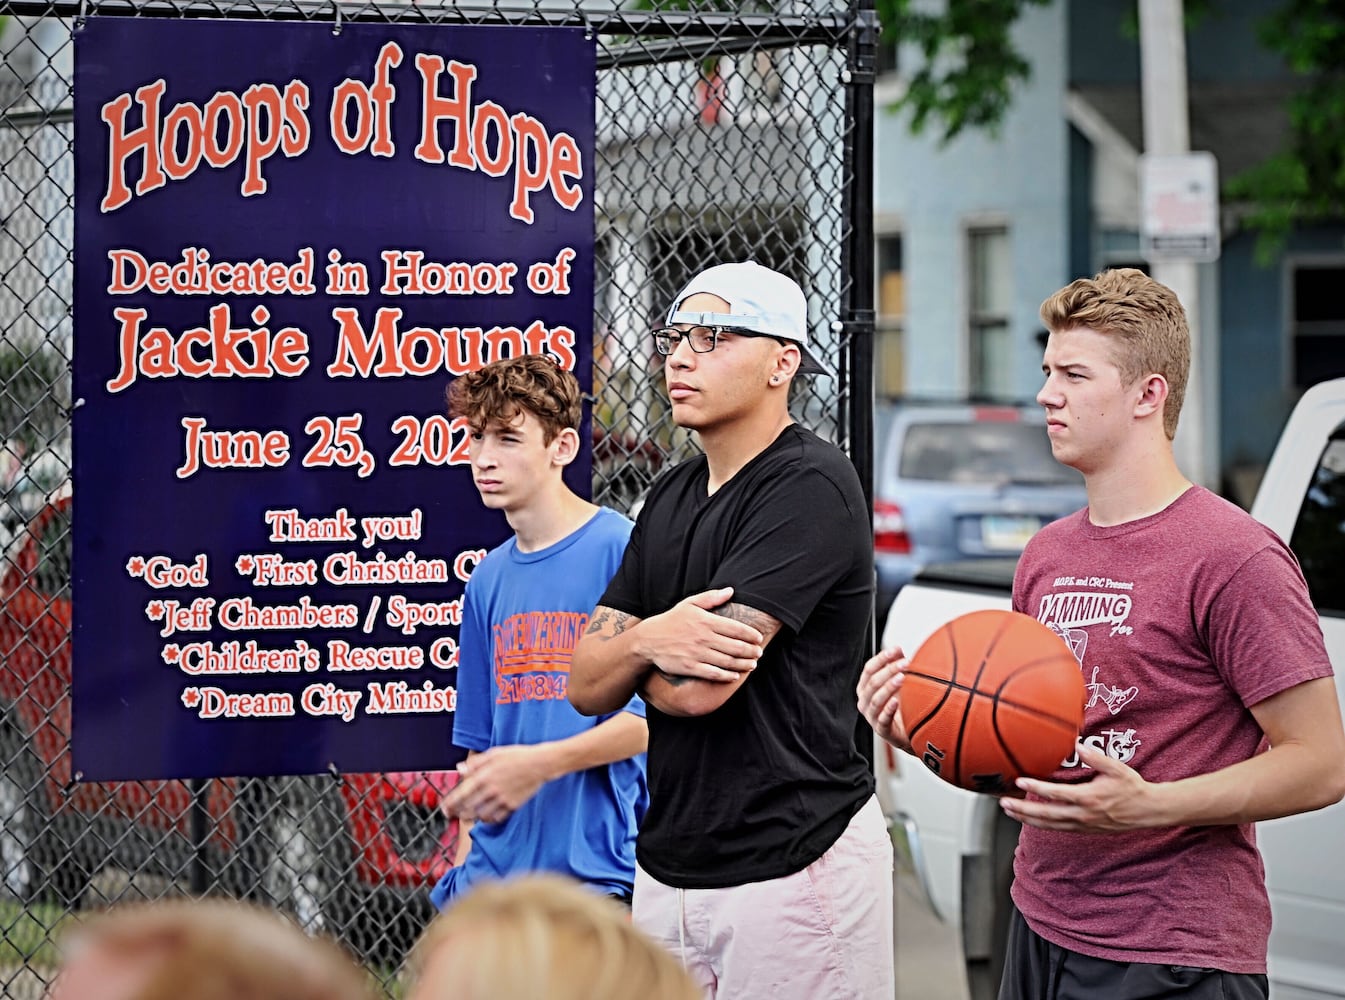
[[740, 613]]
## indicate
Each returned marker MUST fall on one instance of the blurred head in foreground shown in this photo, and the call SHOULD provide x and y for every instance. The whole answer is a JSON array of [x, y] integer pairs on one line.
[[541, 938], [202, 949]]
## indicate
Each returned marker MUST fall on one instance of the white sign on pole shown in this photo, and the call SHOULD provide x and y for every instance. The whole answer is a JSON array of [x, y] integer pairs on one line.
[[1180, 198]]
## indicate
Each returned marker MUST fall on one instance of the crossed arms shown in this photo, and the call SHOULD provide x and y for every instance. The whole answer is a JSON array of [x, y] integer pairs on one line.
[[687, 661]]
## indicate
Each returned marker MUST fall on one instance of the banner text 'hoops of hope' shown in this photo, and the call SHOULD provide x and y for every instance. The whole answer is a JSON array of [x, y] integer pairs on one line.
[[288, 242]]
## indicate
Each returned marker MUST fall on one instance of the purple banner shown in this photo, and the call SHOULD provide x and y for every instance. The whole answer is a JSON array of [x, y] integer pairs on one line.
[[289, 240]]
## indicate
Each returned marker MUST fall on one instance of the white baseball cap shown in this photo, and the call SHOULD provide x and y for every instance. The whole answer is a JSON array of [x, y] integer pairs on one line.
[[760, 300]]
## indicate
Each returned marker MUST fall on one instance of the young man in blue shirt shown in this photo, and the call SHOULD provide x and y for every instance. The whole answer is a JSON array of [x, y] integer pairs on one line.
[[543, 787]]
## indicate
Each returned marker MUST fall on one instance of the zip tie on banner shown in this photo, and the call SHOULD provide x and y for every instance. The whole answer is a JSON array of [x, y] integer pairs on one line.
[[333, 770], [82, 15], [336, 30]]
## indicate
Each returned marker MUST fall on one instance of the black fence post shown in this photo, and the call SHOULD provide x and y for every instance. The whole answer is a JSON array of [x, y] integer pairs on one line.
[[857, 264], [857, 252]]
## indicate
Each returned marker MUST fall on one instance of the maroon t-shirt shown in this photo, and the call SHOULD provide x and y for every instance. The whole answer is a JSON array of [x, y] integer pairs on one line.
[[1180, 622]]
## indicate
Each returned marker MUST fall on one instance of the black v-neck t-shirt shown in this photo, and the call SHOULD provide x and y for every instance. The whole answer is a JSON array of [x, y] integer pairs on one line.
[[764, 785]]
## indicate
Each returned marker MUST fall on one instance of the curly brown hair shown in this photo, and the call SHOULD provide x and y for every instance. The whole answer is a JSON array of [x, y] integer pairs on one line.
[[531, 383], [1146, 321]]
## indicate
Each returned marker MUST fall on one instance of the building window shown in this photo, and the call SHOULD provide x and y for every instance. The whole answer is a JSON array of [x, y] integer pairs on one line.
[[891, 301], [990, 355], [1318, 333]]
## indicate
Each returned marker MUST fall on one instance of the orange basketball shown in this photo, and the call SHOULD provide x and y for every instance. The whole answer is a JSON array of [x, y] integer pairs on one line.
[[992, 696]]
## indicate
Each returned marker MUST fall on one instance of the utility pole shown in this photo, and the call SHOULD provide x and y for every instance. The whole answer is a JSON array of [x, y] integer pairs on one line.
[[1167, 133]]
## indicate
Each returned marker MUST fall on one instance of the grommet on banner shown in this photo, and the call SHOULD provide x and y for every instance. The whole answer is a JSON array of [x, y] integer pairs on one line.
[[336, 30]]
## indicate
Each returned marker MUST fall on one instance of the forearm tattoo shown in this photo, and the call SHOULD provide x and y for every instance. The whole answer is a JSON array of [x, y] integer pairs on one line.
[[619, 621]]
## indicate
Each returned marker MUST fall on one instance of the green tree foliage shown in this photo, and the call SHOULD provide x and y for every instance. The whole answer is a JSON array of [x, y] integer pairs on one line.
[[970, 64], [971, 67], [34, 396], [1304, 182]]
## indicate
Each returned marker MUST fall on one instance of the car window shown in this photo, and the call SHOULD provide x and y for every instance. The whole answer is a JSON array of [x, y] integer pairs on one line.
[[1319, 534], [53, 554], [982, 452]]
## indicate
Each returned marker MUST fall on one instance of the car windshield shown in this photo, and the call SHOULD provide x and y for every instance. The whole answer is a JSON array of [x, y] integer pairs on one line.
[[982, 452]]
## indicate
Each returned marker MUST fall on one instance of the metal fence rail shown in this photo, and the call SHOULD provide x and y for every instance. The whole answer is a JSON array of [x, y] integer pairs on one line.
[[724, 130]]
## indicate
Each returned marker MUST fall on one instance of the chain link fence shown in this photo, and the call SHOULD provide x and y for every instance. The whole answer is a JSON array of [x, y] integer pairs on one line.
[[724, 131]]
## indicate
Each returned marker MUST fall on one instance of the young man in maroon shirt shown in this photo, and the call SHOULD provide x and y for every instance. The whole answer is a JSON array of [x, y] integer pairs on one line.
[[1137, 873]]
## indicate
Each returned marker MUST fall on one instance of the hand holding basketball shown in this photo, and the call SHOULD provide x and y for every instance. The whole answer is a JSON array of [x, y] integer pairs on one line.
[[992, 696], [1116, 798], [879, 695]]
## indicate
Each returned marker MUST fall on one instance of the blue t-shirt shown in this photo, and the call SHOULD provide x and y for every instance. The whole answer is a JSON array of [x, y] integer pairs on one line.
[[523, 613]]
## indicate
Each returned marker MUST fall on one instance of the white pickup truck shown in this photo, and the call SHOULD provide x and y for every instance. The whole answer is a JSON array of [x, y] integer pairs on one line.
[[961, 845]]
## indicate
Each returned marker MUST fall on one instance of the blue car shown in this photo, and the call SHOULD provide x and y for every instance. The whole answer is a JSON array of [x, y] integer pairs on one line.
[[956, 481]]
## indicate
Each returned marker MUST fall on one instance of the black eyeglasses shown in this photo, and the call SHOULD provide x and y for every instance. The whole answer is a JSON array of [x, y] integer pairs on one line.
[[702, 339]]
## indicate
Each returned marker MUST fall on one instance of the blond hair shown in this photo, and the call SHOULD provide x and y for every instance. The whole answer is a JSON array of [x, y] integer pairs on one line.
[[219, 949], [542, 937], [1145, 320]]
